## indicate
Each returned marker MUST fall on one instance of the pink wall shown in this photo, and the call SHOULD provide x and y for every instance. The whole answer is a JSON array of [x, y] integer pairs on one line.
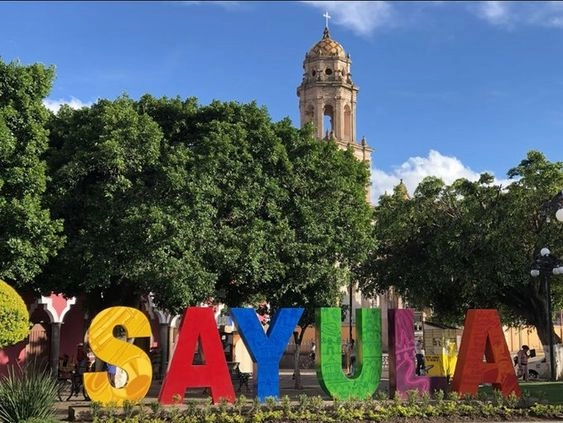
[[72, 330], [15, 354]]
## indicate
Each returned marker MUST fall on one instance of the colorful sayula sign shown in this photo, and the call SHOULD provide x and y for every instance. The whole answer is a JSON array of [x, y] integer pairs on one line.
[[482, 338]]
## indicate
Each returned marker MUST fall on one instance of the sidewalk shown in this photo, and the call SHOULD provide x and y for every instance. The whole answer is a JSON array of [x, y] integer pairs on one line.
[[310, 384]]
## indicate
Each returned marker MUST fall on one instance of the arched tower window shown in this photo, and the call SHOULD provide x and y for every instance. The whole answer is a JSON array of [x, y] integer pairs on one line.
[[347, 123], [328, 120]]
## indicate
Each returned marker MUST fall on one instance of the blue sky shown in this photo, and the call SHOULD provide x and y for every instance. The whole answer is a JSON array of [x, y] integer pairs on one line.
[[449, 89]]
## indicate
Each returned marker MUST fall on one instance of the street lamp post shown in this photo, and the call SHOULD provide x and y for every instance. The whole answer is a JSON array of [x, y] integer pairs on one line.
[[545, 265], [351, 305], [559, 204], [553, 207]]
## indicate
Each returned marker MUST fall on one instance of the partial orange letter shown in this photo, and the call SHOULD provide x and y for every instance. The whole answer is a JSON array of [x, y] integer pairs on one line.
[[483, 356]]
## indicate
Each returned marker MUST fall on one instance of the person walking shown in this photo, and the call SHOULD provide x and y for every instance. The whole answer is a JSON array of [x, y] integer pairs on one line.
[[312, 352], [352, 354], [523, 362], [419, 354]]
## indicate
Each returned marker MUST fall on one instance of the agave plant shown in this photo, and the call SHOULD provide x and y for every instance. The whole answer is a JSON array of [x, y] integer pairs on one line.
[[27, 392]]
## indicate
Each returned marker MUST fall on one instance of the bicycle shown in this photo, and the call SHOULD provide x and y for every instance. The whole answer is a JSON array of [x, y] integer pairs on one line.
[[424, 370], [309, 361], [64, 386], [242, 377], [70, 384]]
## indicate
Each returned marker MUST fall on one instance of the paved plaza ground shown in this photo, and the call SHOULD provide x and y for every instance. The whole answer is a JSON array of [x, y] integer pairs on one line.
[[309, 379], [310, 384]]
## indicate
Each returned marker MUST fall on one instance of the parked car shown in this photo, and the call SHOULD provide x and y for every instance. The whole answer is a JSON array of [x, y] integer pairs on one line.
[[537, 366]]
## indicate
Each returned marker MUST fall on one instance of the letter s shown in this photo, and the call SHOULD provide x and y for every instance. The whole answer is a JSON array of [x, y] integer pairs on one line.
[[122, 354]]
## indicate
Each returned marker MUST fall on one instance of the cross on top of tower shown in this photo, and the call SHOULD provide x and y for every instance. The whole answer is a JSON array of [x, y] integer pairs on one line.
[[327, 17]]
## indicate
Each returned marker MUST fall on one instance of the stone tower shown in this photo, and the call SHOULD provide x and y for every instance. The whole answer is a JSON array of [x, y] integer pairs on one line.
[[327, 96], [327, 99]]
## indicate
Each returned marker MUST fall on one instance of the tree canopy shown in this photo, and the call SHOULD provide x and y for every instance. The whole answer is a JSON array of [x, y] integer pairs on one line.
[[471, 245], [28, 234], [191, 202]]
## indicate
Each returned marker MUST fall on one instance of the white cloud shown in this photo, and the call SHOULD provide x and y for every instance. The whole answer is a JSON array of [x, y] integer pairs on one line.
[[55, 105], [366, 17], [415, 169], [362, 17], [494, 12], [228, 5], [510, 14], [549, 15]]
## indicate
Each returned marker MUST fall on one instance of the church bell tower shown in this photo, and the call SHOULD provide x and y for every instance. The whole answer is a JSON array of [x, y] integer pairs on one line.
[[327, 99], [327, 96]]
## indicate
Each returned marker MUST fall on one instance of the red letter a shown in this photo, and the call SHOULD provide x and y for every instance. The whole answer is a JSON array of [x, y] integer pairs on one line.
[[483, 338], [198, 324]]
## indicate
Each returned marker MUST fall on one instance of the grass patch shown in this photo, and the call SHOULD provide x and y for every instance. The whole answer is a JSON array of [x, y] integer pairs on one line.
[[545, 392], [542, 392]]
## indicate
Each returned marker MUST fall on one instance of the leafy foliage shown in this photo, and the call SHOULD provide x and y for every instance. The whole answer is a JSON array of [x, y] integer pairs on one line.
[[14, 317], [28, 235], [27, 393], [470, 244], [101, 160], [309, 408], [191, 202]]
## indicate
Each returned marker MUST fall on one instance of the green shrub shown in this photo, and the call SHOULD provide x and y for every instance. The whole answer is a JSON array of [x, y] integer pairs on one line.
[[305, 409], [14, 317], [27, 393]]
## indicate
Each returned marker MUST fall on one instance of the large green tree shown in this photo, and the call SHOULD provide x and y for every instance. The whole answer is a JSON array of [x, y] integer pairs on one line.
[[28, 234], [286, 208], [331, 222], [127, 213], [191, 202], [290, 217], [471, 245]]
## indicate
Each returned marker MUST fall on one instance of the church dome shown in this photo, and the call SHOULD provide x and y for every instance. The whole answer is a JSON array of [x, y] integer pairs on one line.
[[327, 47], [402, 191]]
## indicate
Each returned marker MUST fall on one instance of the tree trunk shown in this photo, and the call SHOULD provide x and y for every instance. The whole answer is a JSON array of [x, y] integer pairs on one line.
[[296, 367], [543, 329], [537, 317], [298, 339]]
